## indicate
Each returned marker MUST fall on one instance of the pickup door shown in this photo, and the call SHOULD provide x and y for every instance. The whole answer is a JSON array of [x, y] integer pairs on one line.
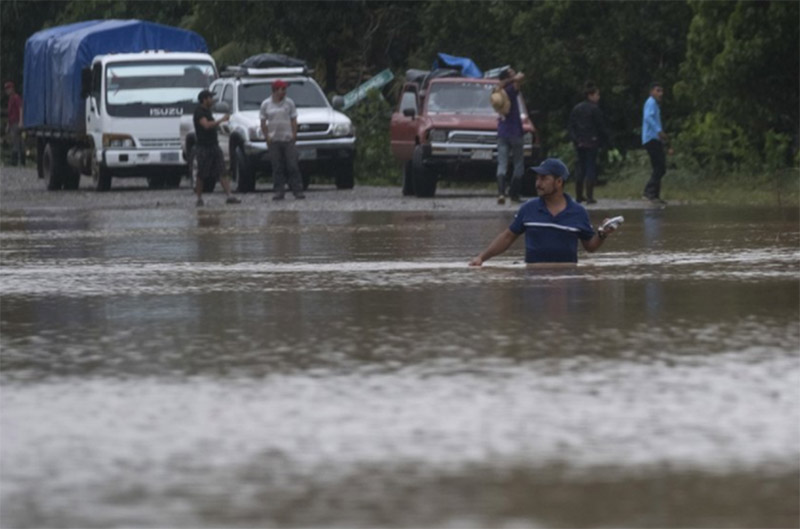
[[404, 127]]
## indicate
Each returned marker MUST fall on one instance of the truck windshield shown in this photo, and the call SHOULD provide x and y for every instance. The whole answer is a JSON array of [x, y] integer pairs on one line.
[[460, 98], [304, 94], [145, 89]]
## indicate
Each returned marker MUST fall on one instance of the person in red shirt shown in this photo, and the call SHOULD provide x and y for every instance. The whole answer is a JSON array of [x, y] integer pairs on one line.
[[14, 124]]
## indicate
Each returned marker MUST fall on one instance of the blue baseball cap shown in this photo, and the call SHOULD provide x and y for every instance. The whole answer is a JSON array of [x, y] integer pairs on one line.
[[552, 166]]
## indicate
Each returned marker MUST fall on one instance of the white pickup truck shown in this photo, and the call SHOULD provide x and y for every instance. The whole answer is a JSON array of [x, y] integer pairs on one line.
[[325, 137]]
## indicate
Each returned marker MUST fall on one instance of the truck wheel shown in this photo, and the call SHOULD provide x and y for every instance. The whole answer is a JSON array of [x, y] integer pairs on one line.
[[424, 179], [408, 182], [101, 175], [53, 163], [344, 174], [242, 172], [72, 179]]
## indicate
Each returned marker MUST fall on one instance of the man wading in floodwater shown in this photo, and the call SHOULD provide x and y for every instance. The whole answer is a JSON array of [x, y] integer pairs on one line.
[[552, 223]]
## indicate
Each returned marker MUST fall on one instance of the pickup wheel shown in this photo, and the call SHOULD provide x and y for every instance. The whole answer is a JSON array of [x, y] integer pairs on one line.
[[72, 179], [344, 174], [424, 179], [528, 185], [408, 181], [53, 162], [242, 172], [173, 181], [155, 182]]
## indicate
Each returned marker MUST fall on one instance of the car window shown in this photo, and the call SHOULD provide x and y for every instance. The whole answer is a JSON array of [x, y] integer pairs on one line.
[[409, 100], [460, 98], [304, 94], [227, 96], [217, 90]]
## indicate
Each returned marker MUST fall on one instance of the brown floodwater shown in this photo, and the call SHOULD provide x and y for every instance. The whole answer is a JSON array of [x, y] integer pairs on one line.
[[225, 368]]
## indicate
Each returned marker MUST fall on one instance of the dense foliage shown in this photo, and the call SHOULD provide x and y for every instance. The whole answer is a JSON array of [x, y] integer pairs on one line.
[[730, 69]]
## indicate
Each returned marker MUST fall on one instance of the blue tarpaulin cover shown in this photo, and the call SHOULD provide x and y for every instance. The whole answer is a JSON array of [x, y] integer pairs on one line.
[[467, 67], [54, 59]]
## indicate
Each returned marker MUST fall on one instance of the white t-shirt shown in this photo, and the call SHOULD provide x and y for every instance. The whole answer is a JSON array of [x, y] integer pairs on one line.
[[279, 118]]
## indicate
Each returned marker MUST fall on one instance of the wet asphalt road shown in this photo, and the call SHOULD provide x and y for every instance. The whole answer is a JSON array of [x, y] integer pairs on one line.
[[19, 188]]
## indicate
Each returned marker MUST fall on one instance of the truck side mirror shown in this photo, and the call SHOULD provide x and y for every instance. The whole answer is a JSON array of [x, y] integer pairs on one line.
[[221, 108], [337, 102], [86, 82], [409, 112]]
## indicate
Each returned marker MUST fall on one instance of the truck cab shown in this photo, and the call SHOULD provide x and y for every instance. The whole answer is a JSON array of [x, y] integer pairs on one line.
[[134, 103]]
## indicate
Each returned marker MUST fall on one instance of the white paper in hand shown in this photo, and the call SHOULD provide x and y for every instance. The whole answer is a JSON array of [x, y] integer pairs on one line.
[[612, 223]]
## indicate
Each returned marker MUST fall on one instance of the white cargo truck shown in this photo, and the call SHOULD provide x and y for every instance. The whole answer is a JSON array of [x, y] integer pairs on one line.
[[105, 99]]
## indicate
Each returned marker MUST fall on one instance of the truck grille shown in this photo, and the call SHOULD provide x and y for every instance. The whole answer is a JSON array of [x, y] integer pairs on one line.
[[312, 128], [473, 136], [160, 143]]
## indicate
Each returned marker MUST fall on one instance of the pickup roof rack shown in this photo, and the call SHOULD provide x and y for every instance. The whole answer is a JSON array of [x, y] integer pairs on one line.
[[244, 71], [268, 65], [423, 77]]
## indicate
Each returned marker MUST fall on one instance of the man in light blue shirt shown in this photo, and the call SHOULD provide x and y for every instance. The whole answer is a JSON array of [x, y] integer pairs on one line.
[[653, 139]]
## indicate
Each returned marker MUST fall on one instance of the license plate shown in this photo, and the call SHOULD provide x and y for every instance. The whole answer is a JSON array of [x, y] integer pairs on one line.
[[170, 156], [482, 155], [307, 154]]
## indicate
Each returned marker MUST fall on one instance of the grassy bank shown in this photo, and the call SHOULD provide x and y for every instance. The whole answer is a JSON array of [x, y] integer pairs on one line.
[[685, 183]]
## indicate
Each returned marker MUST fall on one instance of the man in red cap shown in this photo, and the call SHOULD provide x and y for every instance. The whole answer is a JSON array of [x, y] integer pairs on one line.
[[279, 125], [14, 124]]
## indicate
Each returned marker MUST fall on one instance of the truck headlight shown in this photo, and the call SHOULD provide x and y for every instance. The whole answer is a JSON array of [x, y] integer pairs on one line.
[[437, 135], [117, 140], [255, 134], [342, 129]]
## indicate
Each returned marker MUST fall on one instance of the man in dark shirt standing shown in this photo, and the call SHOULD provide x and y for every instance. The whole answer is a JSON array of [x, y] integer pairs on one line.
[[14, 124], [509, 138], [587, 132], [207, 153]]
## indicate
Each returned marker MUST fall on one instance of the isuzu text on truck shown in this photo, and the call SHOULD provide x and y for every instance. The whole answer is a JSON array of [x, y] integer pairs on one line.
[[105, 97]]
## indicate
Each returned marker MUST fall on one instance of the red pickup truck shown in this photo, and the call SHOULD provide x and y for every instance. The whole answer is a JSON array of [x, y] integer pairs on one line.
[[445, 127]]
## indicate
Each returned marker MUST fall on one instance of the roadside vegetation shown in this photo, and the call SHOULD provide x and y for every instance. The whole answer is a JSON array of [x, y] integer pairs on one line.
[[730, 72]]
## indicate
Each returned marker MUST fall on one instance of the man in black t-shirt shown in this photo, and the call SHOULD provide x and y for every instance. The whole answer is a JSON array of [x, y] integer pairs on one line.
[[587, 131], [207, 153]]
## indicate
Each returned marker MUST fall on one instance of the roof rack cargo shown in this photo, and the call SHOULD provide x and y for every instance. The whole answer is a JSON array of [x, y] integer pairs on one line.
[[241, 71], [423, 77], [273, 60]]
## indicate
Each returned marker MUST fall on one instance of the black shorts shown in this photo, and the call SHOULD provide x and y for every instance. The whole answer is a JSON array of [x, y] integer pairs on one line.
[[210, 162]]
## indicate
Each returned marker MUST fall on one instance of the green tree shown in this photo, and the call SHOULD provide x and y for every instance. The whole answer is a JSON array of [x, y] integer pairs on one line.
[[741, 68]]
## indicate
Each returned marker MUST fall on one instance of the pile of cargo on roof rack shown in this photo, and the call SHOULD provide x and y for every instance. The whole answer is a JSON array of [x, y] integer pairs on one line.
[[268, 65], [443, 66]]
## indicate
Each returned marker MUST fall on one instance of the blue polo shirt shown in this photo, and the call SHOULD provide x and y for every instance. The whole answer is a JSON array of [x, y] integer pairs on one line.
[[548, 238], [651, 120]]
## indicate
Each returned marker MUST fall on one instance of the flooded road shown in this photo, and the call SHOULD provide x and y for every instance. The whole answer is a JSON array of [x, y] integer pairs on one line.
[[317, 365]]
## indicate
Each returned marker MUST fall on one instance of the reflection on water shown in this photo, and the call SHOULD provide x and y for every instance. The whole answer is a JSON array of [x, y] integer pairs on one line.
[[221, 368]]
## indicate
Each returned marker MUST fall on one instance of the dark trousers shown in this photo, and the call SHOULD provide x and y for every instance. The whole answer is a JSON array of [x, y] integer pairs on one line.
[[283, 156], [587, 171], [655, 149], [17, 145]]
